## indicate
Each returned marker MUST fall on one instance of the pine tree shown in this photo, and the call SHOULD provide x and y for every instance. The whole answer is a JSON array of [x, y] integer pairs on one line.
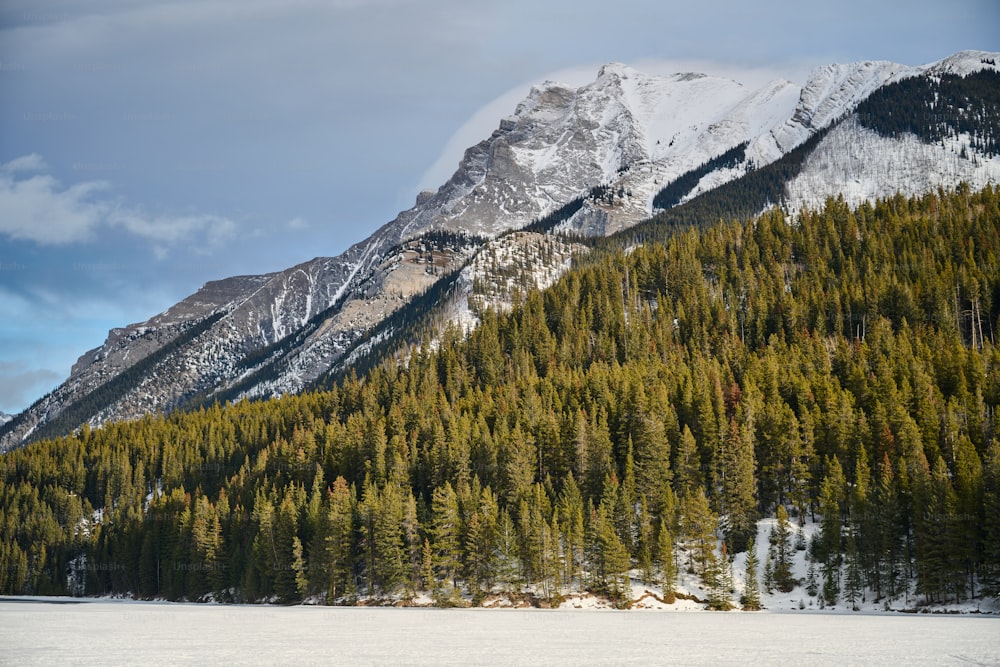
[[368, 512], [299, 567], [718, 578], [506, 557], [666, 561], [518, 457], [831, 528], [699, 523], [968, 485], [205, 563], [571, 520], [338, 541], [990, 571], [480, 542], [652, 462], [644, 555], [623, 514], [388, 542], [599, 455], [812, 584], [427, 579], [413, 545], [445, 529], [286, 578], [831, 584], [936, 572], [887, 542], [853, 585], [260, 584], [782, 560], [218, 577], [738, 504], [769, 571], [610, 559], [687, 465], [751, 588]]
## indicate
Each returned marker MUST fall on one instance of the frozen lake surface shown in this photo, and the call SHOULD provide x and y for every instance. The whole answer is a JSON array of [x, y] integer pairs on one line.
[[102, 632]]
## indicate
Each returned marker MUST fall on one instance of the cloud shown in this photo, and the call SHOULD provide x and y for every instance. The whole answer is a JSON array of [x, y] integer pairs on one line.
[[39, 208], [487, 118], [174, 229], [31, 162], [47, 321], [20, 384]]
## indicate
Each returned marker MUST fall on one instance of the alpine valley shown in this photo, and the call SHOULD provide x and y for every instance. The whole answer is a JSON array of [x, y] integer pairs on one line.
[[644, 314]]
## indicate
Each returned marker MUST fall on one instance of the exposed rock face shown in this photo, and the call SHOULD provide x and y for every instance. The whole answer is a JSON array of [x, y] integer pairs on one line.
[[627, 130], [629, 133]]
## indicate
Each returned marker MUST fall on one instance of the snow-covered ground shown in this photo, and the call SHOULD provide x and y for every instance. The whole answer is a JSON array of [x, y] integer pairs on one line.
[[860, 165], [36, 632], [647, 597]]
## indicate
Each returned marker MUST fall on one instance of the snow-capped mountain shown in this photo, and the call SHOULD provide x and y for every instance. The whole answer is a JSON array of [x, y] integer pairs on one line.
[[4, 418], [626, 130], [596, 156]]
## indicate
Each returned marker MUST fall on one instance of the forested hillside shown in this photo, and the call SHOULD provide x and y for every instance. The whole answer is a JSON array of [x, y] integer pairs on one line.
[[936, 108], [643, 414]]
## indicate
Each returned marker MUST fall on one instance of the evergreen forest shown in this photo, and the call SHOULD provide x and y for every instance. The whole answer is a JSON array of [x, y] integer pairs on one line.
[[637, 419]]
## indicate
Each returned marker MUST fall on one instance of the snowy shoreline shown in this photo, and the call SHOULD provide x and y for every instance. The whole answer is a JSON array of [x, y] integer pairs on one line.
[[646, 602], [690, 593]]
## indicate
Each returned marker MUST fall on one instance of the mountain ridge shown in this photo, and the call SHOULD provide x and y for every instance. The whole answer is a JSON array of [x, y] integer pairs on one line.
[[613, 144]]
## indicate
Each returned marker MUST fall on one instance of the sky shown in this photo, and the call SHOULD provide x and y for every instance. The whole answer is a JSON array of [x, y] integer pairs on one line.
[[149, 147]]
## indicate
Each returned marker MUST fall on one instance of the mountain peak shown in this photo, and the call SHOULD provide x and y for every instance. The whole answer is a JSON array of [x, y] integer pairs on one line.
[[964, 63], [590, 160], [615, 69]]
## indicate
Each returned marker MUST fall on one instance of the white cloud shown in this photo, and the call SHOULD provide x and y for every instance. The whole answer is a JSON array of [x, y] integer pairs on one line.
[[19, 383], [39, 208], [174, 229], [297, 224], [30, 162]]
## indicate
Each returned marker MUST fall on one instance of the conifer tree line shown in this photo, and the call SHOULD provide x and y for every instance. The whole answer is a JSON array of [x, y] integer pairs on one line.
[[640, 416], [672, 193], [937, 108]]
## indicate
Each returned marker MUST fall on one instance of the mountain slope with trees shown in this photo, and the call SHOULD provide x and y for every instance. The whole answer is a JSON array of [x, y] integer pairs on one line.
[[640, 415], [591, 161]]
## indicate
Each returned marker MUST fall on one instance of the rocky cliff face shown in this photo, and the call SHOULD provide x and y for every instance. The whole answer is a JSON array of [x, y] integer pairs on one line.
[[615, 143]]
